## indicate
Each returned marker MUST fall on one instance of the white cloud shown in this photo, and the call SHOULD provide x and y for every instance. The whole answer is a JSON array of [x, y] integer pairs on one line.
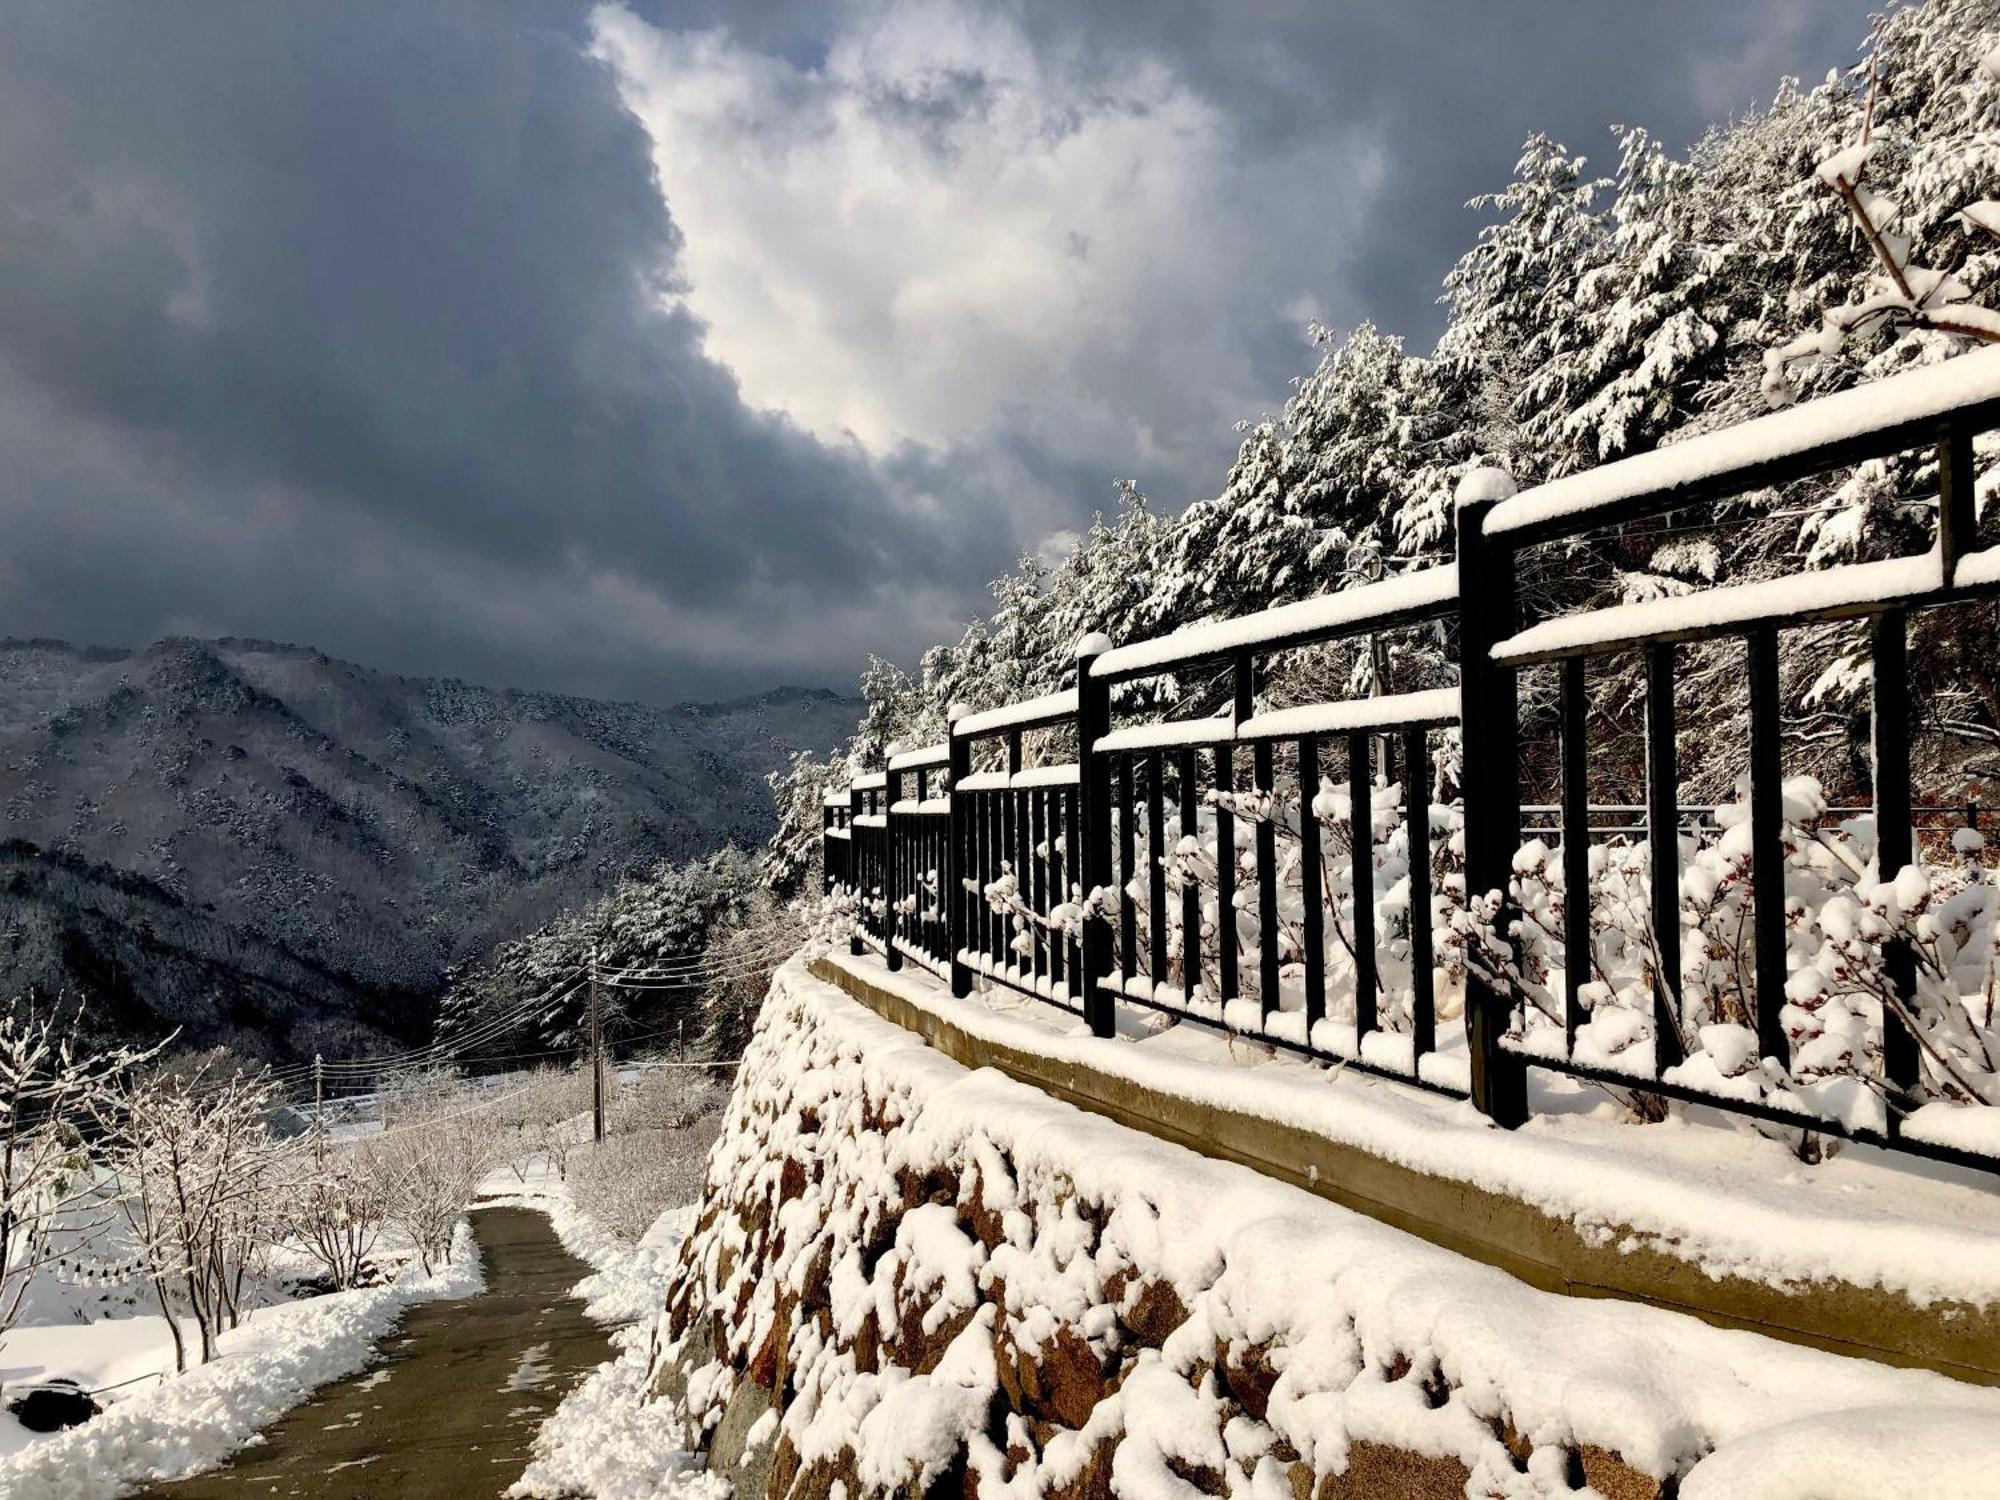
[[942, 230]]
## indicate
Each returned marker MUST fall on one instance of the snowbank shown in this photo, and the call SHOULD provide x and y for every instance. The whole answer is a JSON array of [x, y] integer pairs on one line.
[[277, 1358], [605, 1439], [929, 1274]]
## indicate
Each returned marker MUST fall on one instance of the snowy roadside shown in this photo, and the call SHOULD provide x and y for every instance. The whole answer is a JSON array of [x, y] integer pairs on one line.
[[607, 1440], [277, 1358]]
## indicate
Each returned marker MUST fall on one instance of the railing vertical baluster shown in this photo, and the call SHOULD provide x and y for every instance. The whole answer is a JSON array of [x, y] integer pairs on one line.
[[1361, 825], [1489, 693], [1048, 865], [1575, 838], [1038, 881], [1417, 802], [1190, 800], [1312, 896], [894, 881], [1767, 846], [1073, 822], [1891, 732], [999, 841], [923, 937], [936, 833], [1225, 874], [1663, 843], [1128, 908], [1019, 843], [1156, 873], [857, 868], [1958, 521], [1264, 772]]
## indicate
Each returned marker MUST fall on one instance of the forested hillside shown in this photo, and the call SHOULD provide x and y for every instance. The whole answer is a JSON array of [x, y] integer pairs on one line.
[[284, 852], [1612, 302]]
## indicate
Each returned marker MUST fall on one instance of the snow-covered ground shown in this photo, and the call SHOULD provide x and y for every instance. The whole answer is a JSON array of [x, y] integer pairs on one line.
[[162, 1426]]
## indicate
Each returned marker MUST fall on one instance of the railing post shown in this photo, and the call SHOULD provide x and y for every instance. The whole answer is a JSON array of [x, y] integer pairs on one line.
[[1488, 612], [825, 847], [1958, 523], [855, 947], [892, 890], [1093, 722], [958, 909]]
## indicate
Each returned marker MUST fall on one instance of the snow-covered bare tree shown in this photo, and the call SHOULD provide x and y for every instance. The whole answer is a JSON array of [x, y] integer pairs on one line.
[[199, 1179], [50, 1195]]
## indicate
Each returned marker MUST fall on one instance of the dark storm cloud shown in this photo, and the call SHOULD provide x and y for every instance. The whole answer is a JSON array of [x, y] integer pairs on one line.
[[1443, 92], [398, 266], [343, 323]]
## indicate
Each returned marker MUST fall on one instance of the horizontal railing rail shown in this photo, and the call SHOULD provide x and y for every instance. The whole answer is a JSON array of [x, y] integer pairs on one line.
[[1268, 870]]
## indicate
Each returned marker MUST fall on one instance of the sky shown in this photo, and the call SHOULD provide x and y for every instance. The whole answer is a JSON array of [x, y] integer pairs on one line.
[[687, 348]]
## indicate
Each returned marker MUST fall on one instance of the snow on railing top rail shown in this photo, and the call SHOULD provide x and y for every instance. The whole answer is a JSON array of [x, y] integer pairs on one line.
[[1869, 421], [1030, 713], [873, 781], [922, 759], [1859, 588], [1414, 596], [1350, 715]]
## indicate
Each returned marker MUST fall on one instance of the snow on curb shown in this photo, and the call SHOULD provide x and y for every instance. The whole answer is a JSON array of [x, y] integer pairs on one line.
[[267, 1367], [1725, 1200], [607, 1439]]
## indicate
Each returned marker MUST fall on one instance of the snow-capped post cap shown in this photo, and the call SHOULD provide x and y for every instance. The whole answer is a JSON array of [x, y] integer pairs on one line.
[[1484, 485], [1094, 644], [893, 749], [957, 711]]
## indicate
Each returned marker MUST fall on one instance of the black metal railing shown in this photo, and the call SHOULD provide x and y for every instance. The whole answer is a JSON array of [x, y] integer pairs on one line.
[[836, 844], [868, 852], [1269, 871], [1210, 931], [1018, 834], [916, 834], [1943, 408]]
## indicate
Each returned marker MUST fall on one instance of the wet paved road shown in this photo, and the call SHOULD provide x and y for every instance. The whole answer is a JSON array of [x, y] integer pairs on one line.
[[453, 1406]]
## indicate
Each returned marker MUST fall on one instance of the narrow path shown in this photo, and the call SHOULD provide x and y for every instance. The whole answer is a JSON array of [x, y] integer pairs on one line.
[[453, 1407]]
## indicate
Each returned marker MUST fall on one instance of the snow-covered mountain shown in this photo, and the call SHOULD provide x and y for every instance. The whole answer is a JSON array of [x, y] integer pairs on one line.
[[283, 851]]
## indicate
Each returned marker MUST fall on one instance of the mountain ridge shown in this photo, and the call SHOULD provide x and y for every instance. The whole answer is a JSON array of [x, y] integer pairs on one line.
[[318, 841]]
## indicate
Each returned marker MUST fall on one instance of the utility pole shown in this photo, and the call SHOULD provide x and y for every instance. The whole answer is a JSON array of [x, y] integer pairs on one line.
[[596, 1051], [319, 1110]]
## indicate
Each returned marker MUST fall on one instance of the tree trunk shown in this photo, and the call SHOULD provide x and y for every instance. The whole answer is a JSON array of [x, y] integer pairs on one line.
[[173, 1325]]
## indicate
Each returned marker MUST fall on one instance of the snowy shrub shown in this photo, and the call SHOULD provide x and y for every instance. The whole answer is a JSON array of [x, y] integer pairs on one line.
[[669, 1099], [426, 1169], [1843, 917], [1196, 860], [627, 1181], [548, 1117], [335, 1212]]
